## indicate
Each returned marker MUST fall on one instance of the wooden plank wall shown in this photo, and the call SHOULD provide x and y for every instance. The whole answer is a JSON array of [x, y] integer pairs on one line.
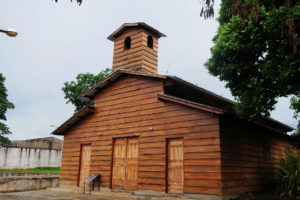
[[129, 107], [249, 156], [139, 55]]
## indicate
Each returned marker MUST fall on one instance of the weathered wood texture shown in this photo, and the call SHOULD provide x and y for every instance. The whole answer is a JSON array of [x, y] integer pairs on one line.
[[125, 163], [139, 56], [175, 166], [84, 163], [129, 107], [249, 155]]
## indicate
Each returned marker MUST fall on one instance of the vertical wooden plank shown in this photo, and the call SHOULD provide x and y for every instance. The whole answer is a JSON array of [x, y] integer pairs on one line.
[[119, 161], [84, 163], [132, 164], [175, 166]]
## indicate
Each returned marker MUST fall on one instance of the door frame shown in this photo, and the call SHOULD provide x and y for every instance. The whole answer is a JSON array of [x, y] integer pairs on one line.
[[112, 156], [167, 162], [80, 159]]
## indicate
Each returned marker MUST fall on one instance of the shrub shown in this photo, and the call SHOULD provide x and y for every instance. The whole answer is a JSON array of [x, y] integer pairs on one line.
[[296, 138], [288, 175]]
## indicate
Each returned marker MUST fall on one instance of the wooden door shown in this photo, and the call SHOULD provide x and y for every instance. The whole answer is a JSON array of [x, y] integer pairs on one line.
[[131, 180], [84, 163], [125, 164], [175, 166], [118, 177]]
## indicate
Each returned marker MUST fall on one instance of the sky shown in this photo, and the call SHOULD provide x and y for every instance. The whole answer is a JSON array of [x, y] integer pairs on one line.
[[57, 41]]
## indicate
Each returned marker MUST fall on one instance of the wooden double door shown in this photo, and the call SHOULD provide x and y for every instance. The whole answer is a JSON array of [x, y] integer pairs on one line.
[[125, 164]]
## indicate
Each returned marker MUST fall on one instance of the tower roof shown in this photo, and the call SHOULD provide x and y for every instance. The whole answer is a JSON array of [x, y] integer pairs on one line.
[[126, 26]]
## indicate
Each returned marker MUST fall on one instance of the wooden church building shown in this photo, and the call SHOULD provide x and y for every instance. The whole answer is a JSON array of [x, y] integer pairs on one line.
[[147, 131]]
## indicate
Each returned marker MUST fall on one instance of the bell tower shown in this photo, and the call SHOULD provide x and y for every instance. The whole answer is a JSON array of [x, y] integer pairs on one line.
[[136, 47]]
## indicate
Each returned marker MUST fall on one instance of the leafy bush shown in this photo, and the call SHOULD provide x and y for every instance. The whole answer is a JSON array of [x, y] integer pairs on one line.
[[289, 175], [296, 138]]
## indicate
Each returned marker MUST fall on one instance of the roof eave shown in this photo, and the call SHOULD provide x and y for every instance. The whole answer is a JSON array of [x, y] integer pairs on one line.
[[91, 92], [126, 26], [283, 126], [72, 120], [190, 104]]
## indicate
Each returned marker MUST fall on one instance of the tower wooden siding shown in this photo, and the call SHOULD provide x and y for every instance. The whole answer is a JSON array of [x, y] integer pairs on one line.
[[250, 155], [129, 107], [139, 57]]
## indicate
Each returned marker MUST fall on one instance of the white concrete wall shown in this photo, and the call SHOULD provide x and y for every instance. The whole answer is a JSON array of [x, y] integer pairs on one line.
[[11, 157]]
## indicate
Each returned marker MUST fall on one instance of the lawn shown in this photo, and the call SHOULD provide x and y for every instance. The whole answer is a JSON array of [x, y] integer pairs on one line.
[[34, 170]]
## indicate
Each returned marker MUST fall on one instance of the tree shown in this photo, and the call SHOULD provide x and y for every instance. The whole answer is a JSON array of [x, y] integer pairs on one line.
[[4, 106], [295, 105], [83, 83], [256, 52]]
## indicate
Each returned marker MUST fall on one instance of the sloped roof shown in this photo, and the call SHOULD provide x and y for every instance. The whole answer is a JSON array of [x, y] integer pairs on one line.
[[126, 26], [264, 121], [74, 119], [190, 103], [112, 78]]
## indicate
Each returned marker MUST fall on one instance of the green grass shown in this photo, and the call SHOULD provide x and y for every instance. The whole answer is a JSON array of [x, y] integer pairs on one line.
[[34, 170]]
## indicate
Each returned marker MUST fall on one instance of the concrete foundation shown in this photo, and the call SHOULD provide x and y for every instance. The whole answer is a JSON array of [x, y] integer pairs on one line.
[[139, 194], [22, 183], [27, 174]]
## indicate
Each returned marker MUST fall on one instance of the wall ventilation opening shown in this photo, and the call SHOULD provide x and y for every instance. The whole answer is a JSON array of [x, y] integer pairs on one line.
[[127, 44], [150, 42]]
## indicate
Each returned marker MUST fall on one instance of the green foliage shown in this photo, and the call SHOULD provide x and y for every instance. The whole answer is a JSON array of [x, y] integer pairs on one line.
[[296, 139], [4, 106], [254, 56], [34, 170], [4, 140], [288, 175], [83, 83]]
